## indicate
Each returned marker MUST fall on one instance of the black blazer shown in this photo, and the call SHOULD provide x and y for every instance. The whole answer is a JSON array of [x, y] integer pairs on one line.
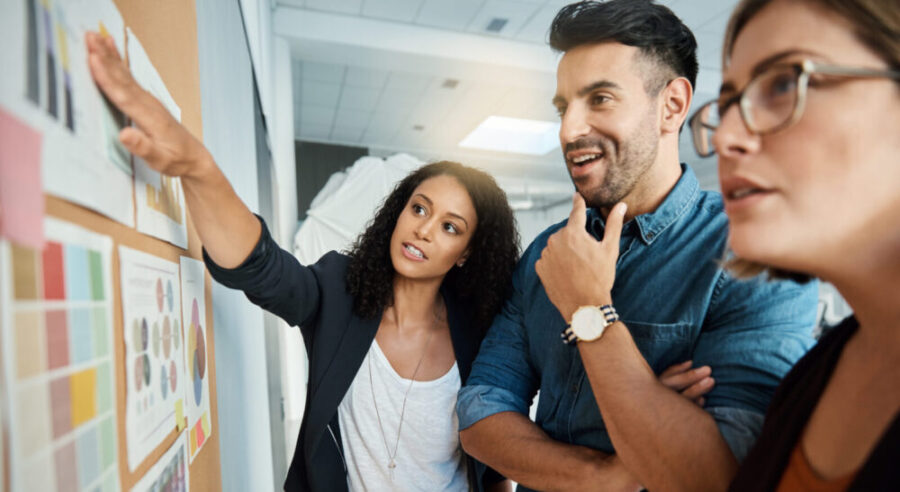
[[315, 298]]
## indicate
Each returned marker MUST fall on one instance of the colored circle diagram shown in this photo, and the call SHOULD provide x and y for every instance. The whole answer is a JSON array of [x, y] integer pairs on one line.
[[197, 352]]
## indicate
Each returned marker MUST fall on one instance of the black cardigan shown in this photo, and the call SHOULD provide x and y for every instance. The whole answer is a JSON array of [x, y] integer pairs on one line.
[[315, 298], [791, 407]]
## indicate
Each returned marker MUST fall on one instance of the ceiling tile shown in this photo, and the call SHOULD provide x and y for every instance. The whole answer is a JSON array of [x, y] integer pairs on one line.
[[397, 10], [365, 77], [362, 98], [319, 93], [351, 118], [314, 131], [346, 134], [315, 115], [538, 27], [515, 13], [322, 72], [449, 14], [339, 6], [411, 82], [398, 100]]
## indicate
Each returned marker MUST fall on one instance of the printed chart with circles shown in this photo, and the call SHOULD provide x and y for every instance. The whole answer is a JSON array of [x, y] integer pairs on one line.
[[193, 305], [154, 350], [59, 361]]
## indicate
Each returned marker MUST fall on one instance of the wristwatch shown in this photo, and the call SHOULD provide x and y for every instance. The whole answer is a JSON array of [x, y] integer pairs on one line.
[[589, 322]]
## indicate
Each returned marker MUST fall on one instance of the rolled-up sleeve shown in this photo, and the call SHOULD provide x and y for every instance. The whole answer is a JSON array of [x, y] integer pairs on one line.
[[503, 378], [739, 428]]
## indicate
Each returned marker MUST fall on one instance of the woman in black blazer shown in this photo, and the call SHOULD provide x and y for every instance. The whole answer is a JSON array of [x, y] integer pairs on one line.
[[461, 223]]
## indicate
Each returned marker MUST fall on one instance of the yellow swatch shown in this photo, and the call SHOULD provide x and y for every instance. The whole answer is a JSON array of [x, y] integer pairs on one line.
[[205, 423], [103, 30], [179, 415], [193, 440], [83, 387], [63, 47]]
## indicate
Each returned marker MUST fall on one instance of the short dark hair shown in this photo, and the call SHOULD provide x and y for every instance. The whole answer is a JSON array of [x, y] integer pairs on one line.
[[484, 281], [654, 29]]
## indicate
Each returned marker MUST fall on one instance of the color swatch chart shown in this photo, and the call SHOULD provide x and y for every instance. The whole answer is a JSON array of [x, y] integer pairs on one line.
[[59, 361], [193, 302], [154, 350]]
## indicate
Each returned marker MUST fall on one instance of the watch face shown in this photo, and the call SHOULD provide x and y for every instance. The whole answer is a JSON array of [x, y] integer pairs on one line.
[[588, 323]]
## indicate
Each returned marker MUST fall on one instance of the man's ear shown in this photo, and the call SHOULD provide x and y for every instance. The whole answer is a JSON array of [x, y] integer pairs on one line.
[[676, 102]]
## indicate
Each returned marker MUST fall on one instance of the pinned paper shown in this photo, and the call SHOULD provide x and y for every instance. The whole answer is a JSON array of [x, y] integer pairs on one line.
[[180, 423], [21, 194]]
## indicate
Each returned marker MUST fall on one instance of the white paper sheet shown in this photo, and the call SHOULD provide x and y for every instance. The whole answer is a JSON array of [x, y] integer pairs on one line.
[[160, 199], [50, 88], [193, 305], [170, 473], [59, 361], [154, 350]]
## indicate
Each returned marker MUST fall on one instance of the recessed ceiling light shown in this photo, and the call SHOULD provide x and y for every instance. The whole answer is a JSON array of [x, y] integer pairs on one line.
[[496, 24], [515, 135]]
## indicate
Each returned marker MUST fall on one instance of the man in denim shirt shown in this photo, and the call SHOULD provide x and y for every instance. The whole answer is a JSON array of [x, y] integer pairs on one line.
[[624, 86]]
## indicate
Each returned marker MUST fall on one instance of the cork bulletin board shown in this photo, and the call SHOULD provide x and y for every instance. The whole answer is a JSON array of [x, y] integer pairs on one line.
[[167, 31]]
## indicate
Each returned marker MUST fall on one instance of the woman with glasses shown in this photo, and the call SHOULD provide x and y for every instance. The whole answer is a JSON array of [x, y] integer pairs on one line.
[[807, 130]]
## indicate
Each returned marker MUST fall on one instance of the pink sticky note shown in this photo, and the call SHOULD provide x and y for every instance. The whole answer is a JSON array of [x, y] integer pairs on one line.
[[21, 195]]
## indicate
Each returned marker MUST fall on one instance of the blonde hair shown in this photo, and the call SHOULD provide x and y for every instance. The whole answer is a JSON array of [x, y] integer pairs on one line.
[[876, 23]]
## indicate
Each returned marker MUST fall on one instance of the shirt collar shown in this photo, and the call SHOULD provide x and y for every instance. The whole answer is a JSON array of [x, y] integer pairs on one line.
[[650, 225]]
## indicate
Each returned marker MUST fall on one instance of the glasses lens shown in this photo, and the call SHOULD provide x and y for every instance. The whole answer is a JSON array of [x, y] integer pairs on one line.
[[772, 97], [703, 125]]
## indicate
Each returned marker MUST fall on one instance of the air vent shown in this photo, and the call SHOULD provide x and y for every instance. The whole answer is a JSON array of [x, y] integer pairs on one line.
[[450, 84], [496, 25]]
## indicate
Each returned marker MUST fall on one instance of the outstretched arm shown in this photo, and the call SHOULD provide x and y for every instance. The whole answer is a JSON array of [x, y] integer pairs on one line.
[[227, 228]]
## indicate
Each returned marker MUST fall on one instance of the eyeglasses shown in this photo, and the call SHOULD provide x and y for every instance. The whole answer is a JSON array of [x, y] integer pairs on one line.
[[772, 101]]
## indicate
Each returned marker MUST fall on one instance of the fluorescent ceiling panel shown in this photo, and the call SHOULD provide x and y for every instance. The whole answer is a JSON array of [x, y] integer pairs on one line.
[[515, 135]]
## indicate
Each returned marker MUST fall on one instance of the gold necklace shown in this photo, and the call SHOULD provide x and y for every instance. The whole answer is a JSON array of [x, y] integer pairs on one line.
[[392, 463]]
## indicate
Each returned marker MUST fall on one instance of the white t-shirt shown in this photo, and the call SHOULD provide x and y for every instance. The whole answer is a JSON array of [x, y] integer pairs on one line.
[[429, 456]]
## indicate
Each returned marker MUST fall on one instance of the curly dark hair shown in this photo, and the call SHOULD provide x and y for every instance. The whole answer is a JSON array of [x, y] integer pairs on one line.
[[484, 281], [654, 29]]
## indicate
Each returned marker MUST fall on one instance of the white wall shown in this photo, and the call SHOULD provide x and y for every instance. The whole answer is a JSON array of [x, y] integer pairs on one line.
[[228, 129]]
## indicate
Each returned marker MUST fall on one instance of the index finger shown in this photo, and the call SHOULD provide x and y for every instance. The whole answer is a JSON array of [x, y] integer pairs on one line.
[[578, 215], [614, 222]]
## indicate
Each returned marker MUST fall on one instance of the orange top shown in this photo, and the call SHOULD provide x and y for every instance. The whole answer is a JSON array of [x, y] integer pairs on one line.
[[799, 476]]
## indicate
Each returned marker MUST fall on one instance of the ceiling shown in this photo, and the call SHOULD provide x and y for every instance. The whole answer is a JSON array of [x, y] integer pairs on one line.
[[417, 76]]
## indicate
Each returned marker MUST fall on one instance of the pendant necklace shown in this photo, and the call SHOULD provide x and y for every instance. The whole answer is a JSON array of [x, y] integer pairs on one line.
[[392, 456]]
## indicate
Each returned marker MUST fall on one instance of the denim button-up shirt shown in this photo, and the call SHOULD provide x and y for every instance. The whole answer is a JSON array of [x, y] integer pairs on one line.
[[677, 302]]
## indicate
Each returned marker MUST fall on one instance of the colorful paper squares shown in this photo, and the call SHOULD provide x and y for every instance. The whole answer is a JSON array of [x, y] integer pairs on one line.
[[98, 323], [66, 471], [54, 283], [107, 442], [57, 339], [61, 398], [34, 401], [29, 339], [104, 388], [21, 193], [95, 264], [88, 448], [84, 396], [80, 335], [25, 273], [78, 280]]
